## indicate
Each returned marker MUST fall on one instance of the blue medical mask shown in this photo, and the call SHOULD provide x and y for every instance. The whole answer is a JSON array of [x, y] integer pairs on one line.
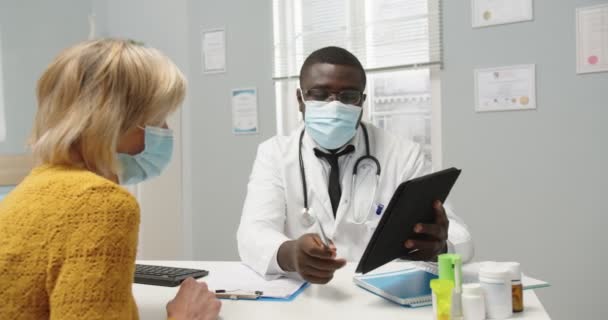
[[331, 124], [151, 161]]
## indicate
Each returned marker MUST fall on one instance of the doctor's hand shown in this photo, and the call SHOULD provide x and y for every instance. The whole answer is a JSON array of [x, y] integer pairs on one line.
[[432, 239], [310, 258]]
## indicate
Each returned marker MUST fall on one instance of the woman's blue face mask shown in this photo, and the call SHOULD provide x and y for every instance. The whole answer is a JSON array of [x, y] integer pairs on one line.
[[151, 161]]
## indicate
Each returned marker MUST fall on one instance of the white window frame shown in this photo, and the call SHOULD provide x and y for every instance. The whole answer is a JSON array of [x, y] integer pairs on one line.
[[436, 119], [284, 120]]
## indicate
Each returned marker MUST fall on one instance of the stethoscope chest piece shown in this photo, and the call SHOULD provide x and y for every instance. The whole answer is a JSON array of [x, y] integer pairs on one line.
[[307, 218]]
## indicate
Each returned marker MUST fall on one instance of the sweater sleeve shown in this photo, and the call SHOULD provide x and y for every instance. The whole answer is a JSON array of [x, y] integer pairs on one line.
[[92, 273]]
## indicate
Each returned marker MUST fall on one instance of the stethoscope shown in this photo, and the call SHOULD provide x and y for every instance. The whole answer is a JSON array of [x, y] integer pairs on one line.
[[357, 218]]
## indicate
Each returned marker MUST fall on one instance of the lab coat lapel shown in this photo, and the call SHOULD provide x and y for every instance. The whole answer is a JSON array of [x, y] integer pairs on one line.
[[345, 207], [317, 188]]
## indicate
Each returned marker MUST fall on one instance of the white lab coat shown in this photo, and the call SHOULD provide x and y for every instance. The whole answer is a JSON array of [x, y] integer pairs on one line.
[[272, 212]]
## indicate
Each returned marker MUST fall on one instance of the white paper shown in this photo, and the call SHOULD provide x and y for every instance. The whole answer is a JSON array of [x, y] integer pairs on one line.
[[592, 39], [214, 51], [505, 88], [244, 111], [493, 12], [2, 119], [238, 277]]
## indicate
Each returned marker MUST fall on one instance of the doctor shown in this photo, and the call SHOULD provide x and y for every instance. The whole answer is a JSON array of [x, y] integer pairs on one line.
[[333, 176]]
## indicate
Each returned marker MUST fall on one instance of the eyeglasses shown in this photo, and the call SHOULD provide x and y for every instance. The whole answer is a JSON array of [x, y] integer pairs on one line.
[[346, 96]]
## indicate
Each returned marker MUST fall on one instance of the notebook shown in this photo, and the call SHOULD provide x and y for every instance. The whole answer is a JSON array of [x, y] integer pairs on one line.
[[407, 287], [410, 287]]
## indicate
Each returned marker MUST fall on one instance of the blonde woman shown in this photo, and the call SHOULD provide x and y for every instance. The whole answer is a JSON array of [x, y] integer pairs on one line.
[[68, 232]]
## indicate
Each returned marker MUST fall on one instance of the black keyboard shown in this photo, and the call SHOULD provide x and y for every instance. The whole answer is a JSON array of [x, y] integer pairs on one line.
[[165, 276]]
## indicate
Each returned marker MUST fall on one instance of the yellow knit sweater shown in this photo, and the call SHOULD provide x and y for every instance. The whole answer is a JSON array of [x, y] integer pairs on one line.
[[68, 240]]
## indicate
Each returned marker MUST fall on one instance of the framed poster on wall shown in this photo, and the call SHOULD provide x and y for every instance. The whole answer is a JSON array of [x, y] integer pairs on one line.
[[505, 88], [592, 39], [487, 13], [214, 51]]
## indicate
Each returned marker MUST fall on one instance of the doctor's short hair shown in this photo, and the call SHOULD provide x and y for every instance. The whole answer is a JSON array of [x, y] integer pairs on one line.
[[95, 92], [333, 55]]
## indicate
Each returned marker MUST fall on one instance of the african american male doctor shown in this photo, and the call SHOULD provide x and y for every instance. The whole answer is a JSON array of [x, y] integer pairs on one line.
[[304, 187]]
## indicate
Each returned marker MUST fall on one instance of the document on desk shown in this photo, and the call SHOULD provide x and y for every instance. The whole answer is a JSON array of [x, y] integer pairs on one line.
[[239, 277]]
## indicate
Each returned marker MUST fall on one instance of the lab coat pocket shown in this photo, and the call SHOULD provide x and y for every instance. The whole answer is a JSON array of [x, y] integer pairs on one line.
[[374, 216]]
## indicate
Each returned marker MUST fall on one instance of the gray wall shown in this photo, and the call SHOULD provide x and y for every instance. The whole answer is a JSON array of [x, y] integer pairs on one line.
[[533, 182], [221, 161], [162, 25], [215, 164], [33, 33]]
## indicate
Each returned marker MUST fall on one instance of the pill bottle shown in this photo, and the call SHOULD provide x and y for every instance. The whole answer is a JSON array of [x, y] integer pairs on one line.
[[517, 289], [495, 280], [473, 302]]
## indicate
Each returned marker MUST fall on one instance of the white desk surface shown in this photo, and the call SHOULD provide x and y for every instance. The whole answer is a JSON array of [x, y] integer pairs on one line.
[[340, 299]]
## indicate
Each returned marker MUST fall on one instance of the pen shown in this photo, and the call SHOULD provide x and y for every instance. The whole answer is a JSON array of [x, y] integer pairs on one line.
[[379, 209], [323, 236], [238, 295]]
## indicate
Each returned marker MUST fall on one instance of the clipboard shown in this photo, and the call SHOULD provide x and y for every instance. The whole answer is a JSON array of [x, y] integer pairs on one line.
[[237, 281], [257, 295], [411, 204]]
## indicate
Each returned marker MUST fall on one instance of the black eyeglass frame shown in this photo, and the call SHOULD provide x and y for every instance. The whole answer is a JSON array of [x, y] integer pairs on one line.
[[338, 95]]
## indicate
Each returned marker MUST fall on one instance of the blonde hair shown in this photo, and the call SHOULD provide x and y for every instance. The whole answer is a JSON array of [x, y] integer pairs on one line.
[[96, 91]]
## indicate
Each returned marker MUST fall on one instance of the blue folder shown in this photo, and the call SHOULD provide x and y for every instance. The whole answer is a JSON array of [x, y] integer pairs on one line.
[[290, 298]]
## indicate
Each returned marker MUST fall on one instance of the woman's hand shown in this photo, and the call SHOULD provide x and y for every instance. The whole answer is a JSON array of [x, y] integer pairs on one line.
[[194, 301]]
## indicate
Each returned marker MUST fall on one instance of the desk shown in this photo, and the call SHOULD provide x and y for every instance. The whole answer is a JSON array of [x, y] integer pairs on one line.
[[340, 299]]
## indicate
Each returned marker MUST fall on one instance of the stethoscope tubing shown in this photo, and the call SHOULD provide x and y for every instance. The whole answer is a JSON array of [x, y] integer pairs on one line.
[[367, 156]]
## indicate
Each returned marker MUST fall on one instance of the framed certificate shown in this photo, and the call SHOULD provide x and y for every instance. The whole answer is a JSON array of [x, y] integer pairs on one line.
[[495, 12]]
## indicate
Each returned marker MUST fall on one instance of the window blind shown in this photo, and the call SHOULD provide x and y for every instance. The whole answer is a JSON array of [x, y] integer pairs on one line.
[[383, 34]]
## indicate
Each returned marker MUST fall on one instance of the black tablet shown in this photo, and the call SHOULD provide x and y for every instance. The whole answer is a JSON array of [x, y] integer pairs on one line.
[[411, 203]]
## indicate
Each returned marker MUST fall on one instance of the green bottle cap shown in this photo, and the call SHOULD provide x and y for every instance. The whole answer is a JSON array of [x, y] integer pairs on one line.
[[447, 262]]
